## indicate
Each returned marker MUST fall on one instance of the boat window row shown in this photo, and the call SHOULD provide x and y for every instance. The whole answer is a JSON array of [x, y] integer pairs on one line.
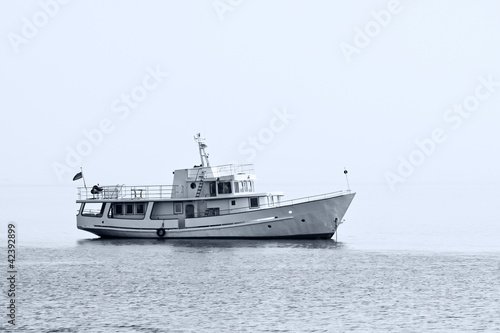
[[162, 209], [243, 186], [165, 209], [224, 187], [128, 208]]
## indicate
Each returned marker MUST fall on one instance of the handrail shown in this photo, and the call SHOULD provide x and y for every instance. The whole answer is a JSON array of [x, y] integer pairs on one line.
[[221, 170], [121, 191], [289, 202]]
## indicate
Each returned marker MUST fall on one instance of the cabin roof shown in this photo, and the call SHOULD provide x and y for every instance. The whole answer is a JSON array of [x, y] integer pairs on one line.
[[219, 171]]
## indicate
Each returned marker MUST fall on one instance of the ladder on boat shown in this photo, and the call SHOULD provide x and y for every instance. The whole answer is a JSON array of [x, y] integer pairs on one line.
[[200, 184]]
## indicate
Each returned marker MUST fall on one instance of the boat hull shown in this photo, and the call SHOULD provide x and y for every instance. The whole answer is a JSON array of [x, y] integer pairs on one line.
[[306, 220]]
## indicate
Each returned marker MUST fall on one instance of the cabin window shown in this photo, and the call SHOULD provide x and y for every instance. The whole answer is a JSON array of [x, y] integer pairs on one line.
[[162, 210], [129, 208], [254, 202], [250, 186], [139, 208], [212, 188], [95, 209], [178, 208], [244, 186], [212, 212], [233, 202], [224, 187], [236, 187], [118, 209]]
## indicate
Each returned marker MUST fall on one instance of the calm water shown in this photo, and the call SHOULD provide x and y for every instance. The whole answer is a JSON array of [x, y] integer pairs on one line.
[[393, 270]]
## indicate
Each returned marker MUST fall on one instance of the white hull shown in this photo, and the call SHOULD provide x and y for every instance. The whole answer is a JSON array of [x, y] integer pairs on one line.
[[313, 219]]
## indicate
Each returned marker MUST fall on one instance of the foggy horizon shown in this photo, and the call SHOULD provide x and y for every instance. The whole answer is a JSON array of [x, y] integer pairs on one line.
[[363, 89]]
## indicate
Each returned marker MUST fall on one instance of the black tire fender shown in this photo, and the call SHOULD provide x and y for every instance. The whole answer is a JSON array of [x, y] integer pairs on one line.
[[160, 232]]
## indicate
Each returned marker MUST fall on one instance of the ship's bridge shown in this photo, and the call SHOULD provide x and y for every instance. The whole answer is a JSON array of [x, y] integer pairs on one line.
[[214, 181]]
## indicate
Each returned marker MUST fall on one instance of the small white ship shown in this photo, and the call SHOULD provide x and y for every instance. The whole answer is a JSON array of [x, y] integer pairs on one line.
[[208, 202]]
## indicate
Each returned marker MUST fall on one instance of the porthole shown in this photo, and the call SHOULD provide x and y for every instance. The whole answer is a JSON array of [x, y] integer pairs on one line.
[[289, 212], [193, 185], [303, 220], [269, 226]]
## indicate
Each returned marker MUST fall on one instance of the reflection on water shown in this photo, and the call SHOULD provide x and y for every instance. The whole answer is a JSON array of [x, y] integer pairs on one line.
[[215, 243]]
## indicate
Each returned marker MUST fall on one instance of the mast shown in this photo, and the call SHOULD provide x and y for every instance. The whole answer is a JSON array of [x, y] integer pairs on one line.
[[201, 147]]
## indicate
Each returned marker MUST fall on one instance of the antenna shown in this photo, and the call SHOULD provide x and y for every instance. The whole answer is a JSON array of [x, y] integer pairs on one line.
[[81, 171], [347, 179], [201, 147]]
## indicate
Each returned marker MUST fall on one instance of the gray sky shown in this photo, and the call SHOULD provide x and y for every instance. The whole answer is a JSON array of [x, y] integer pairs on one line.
[[298, 88]]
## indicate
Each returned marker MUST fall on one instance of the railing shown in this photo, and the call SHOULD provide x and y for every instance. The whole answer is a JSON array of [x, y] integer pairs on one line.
[[285, 203], [314, 197], [222, 170], [132, 192]]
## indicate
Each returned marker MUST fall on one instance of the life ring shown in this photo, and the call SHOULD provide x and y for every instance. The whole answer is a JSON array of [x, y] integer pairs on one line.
[[160, 232]]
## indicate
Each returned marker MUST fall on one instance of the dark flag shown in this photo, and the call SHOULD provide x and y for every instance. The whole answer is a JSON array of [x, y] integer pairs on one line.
[[78, 176]]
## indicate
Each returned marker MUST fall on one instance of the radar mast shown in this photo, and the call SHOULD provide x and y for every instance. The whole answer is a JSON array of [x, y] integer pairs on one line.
[[201, 147]]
